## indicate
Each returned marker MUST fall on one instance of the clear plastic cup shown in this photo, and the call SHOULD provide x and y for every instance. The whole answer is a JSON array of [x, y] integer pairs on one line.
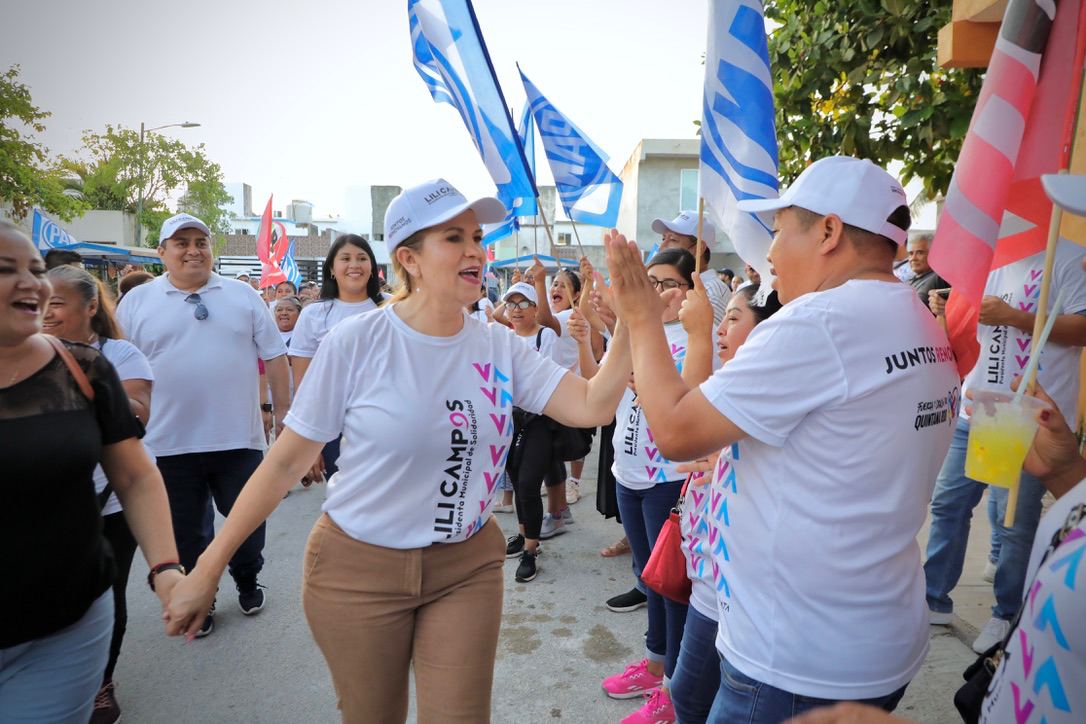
[[1000, 434]]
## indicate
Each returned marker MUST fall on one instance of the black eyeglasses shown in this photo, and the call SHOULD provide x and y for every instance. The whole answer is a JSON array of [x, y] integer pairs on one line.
[[666, 284], [200, 312]]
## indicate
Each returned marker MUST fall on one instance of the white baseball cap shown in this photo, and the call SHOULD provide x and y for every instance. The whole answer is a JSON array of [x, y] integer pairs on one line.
[[524, 289], [855, 189], [686, 223], [177, 222], [1067, 191], [429, 204]]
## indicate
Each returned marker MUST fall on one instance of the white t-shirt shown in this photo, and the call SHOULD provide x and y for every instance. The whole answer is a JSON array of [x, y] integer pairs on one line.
[[825, 591], [1044, 668], [130, 365], [319, 317], [548, 342], [286, 336], [567, 355], [206, 381], [1004, 350], [484, 304], [426, 423], [705, 513], [638, 463], [718, 293]]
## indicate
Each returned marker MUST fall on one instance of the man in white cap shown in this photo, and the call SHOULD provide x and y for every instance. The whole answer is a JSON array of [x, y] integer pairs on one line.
[[203, 335], [836, 413], [682, 233]]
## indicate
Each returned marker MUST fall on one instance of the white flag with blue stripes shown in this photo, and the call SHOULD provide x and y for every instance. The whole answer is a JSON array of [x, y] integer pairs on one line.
[[290, 267], [451, 57], [738, 135], [526, 131], [47, 234], [589, 190]]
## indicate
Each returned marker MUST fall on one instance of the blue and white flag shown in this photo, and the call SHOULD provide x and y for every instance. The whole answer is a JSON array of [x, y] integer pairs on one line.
[[290, 268], [47, 234], [589, 191], [526, 131], [451, 57], [738, 135], [497, 232]]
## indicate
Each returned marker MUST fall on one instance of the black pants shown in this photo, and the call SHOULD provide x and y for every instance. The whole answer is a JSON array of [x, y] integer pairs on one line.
[[116, 532], [531, 462], [192, 481]]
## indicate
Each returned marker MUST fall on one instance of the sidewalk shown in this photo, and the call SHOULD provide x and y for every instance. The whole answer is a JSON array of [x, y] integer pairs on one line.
[[558, 640]]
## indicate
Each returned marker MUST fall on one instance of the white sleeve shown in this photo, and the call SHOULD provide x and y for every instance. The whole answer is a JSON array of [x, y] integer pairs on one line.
[[787, 369], [320, 403], [303, 343], [719, 294], [269, 343], [126, 358], [534, 377], [1068, 277]]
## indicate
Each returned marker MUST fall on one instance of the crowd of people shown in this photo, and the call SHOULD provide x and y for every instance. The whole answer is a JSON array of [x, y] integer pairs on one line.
[[768, 439]]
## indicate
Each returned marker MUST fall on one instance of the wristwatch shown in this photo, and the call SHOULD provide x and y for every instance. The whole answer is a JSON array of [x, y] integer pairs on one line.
[[266, 407], [167, 566]]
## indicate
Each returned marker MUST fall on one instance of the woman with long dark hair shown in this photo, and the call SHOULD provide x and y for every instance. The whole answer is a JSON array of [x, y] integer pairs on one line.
[[80, 310], [349, 286]]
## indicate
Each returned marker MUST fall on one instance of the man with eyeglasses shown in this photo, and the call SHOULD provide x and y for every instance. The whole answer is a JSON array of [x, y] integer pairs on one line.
[[682, 233], [203, 334]]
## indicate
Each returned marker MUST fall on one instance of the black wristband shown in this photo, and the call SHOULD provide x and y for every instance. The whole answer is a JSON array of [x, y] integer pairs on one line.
[[163, 567], [266, 407]]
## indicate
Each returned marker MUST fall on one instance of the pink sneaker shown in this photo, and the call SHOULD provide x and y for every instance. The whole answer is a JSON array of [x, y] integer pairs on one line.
[[657, 710], [633, 682]]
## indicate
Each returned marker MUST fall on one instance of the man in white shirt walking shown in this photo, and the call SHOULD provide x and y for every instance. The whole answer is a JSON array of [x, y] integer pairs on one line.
[[821, 591], [203, 334]]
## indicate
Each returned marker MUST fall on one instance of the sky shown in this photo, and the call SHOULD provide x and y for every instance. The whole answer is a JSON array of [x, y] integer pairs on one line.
[[319, 100], [315, 100]]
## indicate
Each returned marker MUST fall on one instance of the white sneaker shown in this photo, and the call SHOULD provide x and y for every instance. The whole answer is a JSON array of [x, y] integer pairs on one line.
[[551, 527], [936, 618], [989, 572], [503, 508], [567, 516], [573, 491], [993, 632]]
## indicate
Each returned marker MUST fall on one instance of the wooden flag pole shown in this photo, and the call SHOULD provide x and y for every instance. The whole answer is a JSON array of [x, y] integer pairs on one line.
[[577, 237], [535, 234], [697, 245]]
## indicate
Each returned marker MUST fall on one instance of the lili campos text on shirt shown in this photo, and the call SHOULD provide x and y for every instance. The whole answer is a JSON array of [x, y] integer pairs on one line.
[[452, 486]]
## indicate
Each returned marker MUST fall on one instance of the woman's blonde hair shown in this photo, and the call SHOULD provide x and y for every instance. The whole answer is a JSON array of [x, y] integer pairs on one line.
[[404, 288]]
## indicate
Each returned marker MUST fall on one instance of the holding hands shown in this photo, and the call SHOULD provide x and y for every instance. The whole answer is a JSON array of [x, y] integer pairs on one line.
[[578, 327]]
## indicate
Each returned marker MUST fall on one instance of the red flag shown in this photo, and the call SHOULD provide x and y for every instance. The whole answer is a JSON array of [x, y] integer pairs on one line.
[[996, 211], [271, 248]]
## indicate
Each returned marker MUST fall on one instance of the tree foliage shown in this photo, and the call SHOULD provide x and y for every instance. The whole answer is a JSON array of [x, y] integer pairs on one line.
[[114, 166], [27, 176], [860, 78]]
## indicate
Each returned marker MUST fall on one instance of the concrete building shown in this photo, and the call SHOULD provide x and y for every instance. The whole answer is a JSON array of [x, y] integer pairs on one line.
[[105, 227]]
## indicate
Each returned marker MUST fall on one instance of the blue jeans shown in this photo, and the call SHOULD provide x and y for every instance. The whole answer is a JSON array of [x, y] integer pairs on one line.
[[952, 506], [54, 678], [743, 699], [643, 515], [192, 481], [697, 673]]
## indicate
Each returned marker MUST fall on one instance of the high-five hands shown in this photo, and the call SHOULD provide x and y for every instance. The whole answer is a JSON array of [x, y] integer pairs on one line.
[[635, 300]]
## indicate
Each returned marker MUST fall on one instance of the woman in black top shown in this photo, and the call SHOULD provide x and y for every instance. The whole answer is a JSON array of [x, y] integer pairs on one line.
[[56, 612]]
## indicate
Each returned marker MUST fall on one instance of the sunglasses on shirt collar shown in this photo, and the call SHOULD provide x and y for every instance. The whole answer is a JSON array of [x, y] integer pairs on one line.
[[200, 312]]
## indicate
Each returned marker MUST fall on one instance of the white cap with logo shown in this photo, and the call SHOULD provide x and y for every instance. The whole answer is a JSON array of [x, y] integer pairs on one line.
[[863, 194], [524, 289], [177, 222], [432, 203], [686, 223]]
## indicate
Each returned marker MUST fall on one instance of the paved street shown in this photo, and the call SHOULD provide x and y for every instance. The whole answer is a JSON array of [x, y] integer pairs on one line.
[[558, 641]]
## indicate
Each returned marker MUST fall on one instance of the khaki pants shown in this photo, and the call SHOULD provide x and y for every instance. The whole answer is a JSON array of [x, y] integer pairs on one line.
[[376, 612]]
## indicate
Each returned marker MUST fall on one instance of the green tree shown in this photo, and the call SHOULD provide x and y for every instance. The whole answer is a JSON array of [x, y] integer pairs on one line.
[[27, 176], [115, 167], [860, 78]]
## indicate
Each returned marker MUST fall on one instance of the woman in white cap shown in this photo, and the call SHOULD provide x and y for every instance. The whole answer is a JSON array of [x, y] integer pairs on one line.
[[403, 570]]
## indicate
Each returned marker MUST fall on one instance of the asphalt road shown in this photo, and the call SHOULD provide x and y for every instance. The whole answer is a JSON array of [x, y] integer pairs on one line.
[[558, 641]]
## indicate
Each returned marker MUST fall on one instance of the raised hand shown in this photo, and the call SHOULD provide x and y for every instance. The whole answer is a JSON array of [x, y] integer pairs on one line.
[[635, 300], [517, 277], [696, 312], [536, 272], [578, 327]]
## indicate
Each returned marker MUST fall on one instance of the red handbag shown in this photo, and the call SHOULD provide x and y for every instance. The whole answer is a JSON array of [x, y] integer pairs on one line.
[[665, 572]]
